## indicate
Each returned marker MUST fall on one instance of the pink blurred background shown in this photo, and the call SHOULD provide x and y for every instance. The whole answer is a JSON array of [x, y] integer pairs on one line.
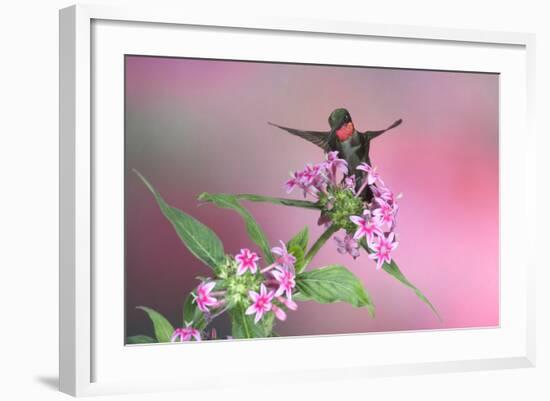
[[201, 125]]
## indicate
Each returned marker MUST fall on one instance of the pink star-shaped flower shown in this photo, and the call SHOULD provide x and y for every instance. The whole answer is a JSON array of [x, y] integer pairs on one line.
[[319, 183], [382, 249], [261, 303], [202, 298], [286, 281], [312, 180], [347, 245], [367, 226], [333, 164], [385, 212], [285, 259], [247, 260], [295, 180], [387, 195], [185, 334], [309, 174], [372, 174]]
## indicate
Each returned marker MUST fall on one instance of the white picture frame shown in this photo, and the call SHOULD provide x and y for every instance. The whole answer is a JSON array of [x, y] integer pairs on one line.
[[88, 366]]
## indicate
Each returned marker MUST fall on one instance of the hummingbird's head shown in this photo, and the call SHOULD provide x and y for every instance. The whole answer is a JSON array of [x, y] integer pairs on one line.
[[340, 123]]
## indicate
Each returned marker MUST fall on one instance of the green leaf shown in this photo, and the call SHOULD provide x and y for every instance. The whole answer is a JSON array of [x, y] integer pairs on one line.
[[243, 326], [300, 240], [279, 201], [163, 328], [299, 297], [192, 314], [201, 241], [255, 233], [394, 271], [140, 339], [331, 284], [298, 253]]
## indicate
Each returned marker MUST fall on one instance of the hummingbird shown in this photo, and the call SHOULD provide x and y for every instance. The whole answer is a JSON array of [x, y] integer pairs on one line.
[[352, 146]]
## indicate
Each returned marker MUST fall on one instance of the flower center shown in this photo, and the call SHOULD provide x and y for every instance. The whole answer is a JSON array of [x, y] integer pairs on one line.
[[344, 204]]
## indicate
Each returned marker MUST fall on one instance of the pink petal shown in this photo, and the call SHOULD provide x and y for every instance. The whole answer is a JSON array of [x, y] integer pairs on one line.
[[263, 290], [210, 300], [279, 314], [241, 269], [277, 274], [279, 291], [277, 251], [290, 304], [209, 286]]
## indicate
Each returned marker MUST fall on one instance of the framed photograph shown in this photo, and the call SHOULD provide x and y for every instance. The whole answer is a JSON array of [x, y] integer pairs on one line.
[[308, 199]]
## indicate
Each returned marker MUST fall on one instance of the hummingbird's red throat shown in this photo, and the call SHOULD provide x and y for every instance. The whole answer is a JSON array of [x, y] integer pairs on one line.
[[345, 131]]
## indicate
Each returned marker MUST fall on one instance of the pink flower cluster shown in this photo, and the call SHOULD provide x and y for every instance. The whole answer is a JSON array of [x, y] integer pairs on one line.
[[279, 279], [315, 179], [185, 334], [377, 223], [204, 298], [276, 286], [262, 303]]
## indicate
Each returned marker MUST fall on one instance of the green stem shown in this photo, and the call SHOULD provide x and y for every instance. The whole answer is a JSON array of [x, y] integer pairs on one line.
[[246, 328], [318, 245]]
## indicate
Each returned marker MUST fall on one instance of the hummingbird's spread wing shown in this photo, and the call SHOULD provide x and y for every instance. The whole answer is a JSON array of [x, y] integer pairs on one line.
[[374, 134], [319, 138]]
